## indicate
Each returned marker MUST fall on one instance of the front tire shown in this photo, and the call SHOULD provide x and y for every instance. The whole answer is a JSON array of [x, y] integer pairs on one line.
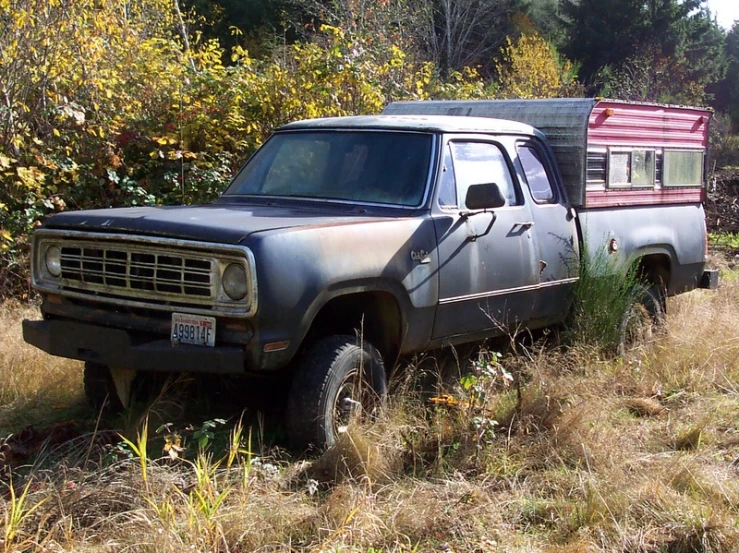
[[100, 388], [339, 377]]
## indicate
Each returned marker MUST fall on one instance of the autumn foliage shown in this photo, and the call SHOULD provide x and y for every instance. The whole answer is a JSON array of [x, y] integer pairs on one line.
[[530, 67], [113, 103]]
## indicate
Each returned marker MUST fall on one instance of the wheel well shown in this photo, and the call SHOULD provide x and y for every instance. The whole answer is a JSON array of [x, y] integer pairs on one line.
[[654, 269], [376, 314]]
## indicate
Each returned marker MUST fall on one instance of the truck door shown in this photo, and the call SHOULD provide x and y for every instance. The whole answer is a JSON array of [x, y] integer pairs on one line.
[[488, 267], [556, 232]]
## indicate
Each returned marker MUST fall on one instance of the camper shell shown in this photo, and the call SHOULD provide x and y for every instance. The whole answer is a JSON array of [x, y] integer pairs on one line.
[[610, 153]]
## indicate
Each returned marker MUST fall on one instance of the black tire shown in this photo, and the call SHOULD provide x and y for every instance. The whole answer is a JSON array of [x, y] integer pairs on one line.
[[100, 389], [641, 322], [325, 390]]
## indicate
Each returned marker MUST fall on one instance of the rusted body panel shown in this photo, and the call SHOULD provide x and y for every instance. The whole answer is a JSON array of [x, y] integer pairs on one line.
[[365, 257]]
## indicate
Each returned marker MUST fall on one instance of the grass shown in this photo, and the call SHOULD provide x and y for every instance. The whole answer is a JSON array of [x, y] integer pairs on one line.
[[724, 240], [602, 295], [34, 388], [549, 450]]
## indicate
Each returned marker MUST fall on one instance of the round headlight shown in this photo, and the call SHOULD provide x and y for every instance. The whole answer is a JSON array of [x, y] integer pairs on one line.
[[234, 281], [53, 260]]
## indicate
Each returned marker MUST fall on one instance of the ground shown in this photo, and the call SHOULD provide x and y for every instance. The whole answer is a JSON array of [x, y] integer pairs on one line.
[[541, 449]]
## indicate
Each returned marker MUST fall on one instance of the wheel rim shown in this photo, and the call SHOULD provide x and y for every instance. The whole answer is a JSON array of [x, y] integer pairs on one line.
[[641, 323], [354, 400], [639, 327]]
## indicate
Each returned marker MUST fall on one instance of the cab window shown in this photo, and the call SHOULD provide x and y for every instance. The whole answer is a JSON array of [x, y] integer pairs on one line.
[[447, 183], [536, 174], [481, 163]]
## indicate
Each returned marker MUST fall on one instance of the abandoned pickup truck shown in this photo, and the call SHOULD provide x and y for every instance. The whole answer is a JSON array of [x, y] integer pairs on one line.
[[346, 242]]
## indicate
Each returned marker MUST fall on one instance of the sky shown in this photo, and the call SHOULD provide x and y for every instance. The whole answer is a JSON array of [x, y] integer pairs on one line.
[[726, 11]]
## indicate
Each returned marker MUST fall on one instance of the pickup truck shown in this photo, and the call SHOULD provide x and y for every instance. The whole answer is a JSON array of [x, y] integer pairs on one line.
[[344, 243]]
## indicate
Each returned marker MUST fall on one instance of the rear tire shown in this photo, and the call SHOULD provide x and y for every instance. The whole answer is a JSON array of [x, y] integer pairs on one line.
[[642, 321], [339, 377]]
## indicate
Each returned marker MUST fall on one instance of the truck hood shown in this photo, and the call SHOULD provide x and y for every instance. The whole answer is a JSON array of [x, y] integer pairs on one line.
[[221, 223]]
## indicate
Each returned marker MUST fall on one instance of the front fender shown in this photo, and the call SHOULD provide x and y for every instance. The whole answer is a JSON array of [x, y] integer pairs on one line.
[[300, 269]]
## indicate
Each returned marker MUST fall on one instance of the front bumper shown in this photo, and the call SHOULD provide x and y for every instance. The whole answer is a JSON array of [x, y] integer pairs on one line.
[[119, 348]]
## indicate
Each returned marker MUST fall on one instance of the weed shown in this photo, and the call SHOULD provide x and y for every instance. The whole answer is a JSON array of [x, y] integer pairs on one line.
[[582, 459], [16, 512], [138, 448], [728, 240], [689, 438], [606, 289], [204, 435]]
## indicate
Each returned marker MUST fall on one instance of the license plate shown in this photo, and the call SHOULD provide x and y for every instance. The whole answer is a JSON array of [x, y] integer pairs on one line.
[[193, 329]]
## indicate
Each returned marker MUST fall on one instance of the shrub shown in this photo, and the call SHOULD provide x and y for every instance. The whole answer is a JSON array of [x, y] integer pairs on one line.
[[105, 107]]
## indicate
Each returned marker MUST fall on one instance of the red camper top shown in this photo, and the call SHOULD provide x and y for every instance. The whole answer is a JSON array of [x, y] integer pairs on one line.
[[610, 153]]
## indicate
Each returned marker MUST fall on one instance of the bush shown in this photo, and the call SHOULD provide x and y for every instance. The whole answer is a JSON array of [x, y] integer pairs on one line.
[[111, 109]]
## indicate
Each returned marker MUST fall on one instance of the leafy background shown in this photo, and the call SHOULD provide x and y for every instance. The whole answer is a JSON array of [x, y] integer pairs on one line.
[[131, 102]]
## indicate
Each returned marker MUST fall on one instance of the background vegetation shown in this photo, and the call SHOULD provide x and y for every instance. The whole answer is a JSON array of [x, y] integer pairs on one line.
[[130, 102]]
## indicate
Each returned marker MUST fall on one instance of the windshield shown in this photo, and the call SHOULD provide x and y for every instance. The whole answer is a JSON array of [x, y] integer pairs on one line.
[[364, 166]]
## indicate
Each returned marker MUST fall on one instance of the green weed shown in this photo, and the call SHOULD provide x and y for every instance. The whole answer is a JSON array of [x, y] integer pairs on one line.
[[16, 512], [139, 449], [602, 295]]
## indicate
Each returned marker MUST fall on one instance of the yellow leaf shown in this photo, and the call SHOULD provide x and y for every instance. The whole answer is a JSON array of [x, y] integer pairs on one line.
[[56, 132], [30, 176]]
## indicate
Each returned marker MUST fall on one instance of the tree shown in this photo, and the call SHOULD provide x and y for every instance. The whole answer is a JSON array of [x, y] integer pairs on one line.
[[258, 21], [654, 50], [727, 90], [463, 33], [602, 32], [542, 17], [532, 68]]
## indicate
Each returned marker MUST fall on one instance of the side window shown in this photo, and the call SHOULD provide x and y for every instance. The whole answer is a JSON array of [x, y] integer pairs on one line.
[[631, 168], [482, 163], [536, 175], [683, 168], [447, 182]]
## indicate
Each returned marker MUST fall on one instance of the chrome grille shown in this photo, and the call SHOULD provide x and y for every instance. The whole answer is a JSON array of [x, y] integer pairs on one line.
[[116, 268]]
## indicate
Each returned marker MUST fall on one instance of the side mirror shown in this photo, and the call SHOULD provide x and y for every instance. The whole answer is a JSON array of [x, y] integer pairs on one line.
[[484, 196]]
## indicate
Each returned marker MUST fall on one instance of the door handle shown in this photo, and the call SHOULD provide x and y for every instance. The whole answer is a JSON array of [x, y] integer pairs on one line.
[[525, 224]]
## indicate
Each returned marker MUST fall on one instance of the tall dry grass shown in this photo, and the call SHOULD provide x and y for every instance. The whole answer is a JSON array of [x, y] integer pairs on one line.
[[33, 385], [548, 450]]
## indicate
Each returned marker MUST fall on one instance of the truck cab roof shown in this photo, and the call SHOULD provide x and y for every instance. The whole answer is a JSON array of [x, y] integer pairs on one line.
[[417, 123]]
